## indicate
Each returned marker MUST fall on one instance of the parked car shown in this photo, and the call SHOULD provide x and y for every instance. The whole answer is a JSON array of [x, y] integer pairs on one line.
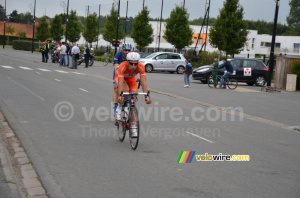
[[144, 54], [164, 61], [250, 71]]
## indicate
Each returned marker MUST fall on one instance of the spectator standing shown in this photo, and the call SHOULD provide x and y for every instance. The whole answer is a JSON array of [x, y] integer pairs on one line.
[[46, 50], [215, 67], [75, 55], [42, 50], [67, 54], [63, 54], [52, 46], [86, 56], [188, 72]]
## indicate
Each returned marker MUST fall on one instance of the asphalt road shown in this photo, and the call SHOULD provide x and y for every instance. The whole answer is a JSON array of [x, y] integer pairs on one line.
[[82, 157]]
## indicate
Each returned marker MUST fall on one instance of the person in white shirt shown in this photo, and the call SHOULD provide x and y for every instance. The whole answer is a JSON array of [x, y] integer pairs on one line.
[[63, 54], [75, 55]]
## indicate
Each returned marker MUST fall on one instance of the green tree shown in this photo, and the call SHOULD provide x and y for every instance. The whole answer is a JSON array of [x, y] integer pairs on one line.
[[110, 27], [21, 34], [91, 32], [74, 27], [14, 17], [178, 31], [142, 30], [293, 19], [229, 32], [2, 13], [9, 30], [42, 30], [56, 29]]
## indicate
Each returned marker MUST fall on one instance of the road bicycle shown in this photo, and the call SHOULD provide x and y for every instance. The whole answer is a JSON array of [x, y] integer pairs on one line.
[[129, 115], [230, 83], [106, 60]]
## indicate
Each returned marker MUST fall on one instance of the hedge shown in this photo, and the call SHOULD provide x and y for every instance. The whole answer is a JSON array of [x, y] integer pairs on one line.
[[102, 58], [11, 39], [296, 70], [24, 45]]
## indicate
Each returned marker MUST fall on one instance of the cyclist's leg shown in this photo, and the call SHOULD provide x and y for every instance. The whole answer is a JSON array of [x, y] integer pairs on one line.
[[223, 78], [115, 93], [133, 117]]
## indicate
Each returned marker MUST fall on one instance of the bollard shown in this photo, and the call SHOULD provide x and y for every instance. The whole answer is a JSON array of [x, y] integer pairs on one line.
[[291, 82]]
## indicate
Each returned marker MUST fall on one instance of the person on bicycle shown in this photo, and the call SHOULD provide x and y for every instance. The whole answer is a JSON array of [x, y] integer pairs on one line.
[[229, 70], [119, 58], [126, 79]]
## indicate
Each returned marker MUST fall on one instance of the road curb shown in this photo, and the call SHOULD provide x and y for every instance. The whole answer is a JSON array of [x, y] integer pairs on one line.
[[22, 174]]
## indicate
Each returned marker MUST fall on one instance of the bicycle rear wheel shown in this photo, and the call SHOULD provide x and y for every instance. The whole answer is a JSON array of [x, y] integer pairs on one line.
[[134, 140], [232, 83]]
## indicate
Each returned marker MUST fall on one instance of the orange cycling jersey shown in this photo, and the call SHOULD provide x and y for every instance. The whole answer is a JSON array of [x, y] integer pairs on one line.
[[128, 76]]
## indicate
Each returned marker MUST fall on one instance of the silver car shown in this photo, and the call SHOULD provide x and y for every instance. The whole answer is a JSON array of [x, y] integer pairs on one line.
[[164, 61]]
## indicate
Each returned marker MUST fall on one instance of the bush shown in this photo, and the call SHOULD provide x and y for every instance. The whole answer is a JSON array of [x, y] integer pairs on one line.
[[206, 58], [296, 70], [102, 58], [99, 52], [11, 39], [24, 45]]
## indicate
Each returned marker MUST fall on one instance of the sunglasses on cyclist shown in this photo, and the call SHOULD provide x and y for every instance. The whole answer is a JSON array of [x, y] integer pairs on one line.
[[133, 64], [126, 50]]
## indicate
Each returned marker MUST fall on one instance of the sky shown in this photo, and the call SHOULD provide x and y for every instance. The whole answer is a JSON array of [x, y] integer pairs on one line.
[[253, 9]]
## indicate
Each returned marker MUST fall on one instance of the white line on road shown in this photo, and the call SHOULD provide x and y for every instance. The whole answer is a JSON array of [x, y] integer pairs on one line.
[[60, 71], [83, 90], [7, 67], [199, 137], [78, 73], [38, 72], [43, 69], [42, 99], [57, 80], [25, 68]]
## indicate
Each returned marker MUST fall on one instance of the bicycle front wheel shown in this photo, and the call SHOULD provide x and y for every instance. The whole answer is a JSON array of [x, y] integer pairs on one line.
[[121, 130], [232, 83], [106, 62], [134, 128]]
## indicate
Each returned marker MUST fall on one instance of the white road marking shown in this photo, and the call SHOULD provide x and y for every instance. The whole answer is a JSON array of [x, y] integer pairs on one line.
[[57, 80], [42, 99], [60, 71], [7, 67], [199, 137], [46, 70], [38, 72], [83, 90], [26, 68], [78, 73]]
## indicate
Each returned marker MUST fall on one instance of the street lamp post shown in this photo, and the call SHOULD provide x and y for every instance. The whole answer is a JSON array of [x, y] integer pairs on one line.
[[98, 25], [117, 32], [183, 3], [162, 5], [126, 21], [4, 26], [33, 27], [143, 4], [66, 36], [271, 63]]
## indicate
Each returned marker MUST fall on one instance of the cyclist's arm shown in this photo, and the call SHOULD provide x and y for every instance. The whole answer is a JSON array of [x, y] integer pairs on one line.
[[116, 65], [138, 76], [121, 81], [144, 84]]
